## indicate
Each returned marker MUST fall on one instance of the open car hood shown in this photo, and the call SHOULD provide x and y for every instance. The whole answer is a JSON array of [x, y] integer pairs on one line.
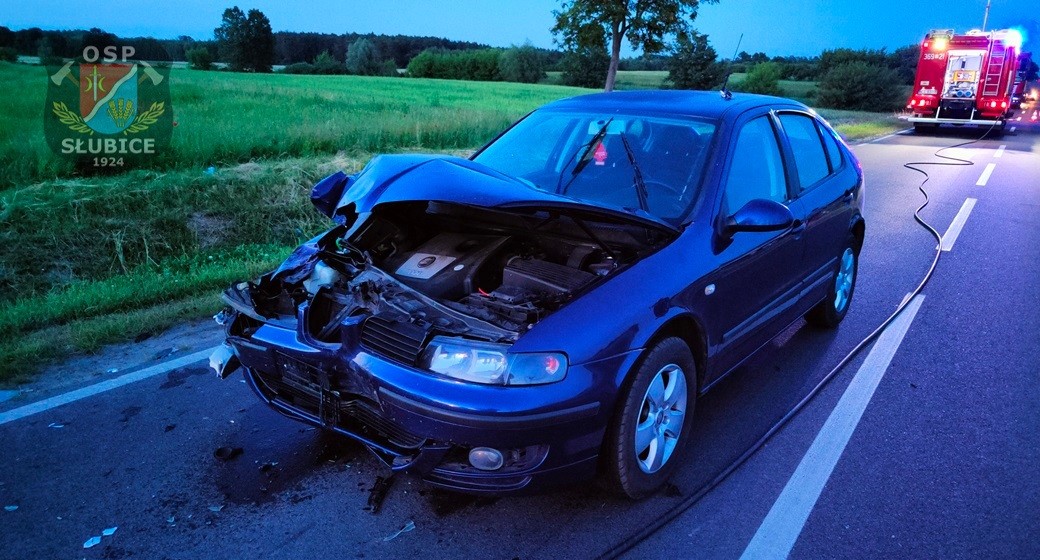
[[436, 178]]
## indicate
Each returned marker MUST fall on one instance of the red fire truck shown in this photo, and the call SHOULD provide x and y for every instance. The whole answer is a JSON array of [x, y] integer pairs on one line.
[[965, 79]]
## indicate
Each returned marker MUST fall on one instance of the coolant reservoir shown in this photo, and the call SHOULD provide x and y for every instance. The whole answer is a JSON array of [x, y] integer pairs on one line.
[[321, 276]]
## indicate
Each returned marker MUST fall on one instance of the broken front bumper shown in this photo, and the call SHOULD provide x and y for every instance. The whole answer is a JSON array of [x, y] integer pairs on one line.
[[415, 421]]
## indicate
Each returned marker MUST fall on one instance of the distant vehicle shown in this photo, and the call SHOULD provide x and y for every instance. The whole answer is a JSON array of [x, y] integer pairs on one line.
[[965, 79], [554, 305]]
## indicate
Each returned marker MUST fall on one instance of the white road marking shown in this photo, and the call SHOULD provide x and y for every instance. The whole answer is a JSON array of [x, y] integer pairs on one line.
[[984, 178], [780, 529], [887, 136], [1000, 151], [954, 230], [91, 390]]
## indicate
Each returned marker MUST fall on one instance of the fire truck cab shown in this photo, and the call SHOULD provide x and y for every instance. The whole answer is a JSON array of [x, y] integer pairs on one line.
[[965, 79]]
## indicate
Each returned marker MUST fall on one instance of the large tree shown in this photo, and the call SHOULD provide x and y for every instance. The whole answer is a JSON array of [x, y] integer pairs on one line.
[[246, 42], [693, 64], [588, 24]]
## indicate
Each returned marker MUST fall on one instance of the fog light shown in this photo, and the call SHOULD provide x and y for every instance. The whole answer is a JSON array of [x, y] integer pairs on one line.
[[486, 458]]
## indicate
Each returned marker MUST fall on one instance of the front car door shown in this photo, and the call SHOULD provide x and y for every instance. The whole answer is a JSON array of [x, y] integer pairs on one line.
[[756, 269]]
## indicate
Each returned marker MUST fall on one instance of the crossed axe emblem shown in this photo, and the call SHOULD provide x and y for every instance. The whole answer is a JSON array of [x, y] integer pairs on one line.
[[148, 73]]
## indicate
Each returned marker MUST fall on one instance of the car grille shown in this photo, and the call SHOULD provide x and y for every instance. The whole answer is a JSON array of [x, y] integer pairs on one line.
[[401, 342], [355, 413]]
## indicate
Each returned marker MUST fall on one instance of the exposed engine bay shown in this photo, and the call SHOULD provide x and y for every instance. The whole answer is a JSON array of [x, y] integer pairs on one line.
[[423, 268]]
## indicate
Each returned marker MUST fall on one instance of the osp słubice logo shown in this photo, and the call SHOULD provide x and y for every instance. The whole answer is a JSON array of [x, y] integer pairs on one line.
[[105, 109]]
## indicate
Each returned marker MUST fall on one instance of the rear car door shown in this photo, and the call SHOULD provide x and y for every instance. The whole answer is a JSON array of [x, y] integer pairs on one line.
[[757, 269], [824, 187]]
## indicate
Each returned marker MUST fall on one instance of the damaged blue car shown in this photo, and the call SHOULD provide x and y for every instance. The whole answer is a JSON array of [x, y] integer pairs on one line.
[[552, 307]]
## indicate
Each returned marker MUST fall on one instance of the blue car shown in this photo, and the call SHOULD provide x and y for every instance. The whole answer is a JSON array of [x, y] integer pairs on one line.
[[552, 307]]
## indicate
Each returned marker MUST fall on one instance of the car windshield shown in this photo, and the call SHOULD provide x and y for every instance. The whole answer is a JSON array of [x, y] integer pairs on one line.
[[585, 156]]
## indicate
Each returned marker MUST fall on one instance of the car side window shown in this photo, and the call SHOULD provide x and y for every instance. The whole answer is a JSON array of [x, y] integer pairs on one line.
[[807, 146], [833, 151], [756, 170]]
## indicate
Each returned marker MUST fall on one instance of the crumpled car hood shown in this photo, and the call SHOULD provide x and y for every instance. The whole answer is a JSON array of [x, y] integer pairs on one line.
[[423, 177]]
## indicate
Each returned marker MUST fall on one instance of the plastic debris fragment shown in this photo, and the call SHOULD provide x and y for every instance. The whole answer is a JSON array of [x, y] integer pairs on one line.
[[216, 509], [92, 542], [10, 508], [55, 425], [227, 453], [410, 526], [109, 532]]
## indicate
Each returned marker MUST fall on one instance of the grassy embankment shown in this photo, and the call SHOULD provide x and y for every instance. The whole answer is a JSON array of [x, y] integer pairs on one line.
[[86, 261]]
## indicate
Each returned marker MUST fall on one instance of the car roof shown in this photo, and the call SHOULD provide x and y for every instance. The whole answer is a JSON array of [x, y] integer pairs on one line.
[[705, 104]]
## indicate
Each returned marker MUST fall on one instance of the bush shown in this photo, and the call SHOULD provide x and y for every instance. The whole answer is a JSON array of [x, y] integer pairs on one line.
[[693, 65], [8, 54], [327, 64], [200, 58], [299, 68], [585, 68], [763, 78], [861, 86], [521, 64], [479, 65]]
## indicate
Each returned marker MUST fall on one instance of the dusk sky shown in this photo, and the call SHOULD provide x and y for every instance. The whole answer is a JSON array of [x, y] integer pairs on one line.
[[788, 27]]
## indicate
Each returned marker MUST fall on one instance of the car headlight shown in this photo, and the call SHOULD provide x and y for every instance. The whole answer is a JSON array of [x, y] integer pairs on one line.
[[491, 364]]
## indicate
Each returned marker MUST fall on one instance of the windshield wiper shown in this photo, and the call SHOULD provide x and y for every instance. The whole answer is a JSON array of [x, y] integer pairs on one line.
[[586, 157], [637, 175]]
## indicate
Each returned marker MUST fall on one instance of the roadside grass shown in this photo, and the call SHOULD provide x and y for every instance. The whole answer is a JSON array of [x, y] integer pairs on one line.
[[22, 356], [861, 125]]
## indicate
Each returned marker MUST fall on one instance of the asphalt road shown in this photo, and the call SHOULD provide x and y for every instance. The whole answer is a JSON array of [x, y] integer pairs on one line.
[[935, 454]]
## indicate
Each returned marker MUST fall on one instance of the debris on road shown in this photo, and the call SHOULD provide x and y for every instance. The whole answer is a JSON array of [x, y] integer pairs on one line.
[[171, 519], [410, 526], [10, 508], [227, 453], [216, 509], [169, 428], [92, 542], [165, 353], [112, 370], [55, 425], [378, 493], [268, 466], [109, 532]]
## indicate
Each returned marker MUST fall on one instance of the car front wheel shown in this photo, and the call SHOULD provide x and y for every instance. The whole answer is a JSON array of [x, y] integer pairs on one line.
[[653, 421], [829, 312]]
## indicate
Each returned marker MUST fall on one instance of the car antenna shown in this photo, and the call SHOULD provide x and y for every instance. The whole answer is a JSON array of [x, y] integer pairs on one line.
[[725, 93]]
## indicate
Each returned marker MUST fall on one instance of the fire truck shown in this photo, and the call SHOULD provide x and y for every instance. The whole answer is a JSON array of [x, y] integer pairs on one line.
[[965, 79]]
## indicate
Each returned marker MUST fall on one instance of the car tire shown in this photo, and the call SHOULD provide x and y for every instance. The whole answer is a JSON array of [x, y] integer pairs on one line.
[[659, 396], [830, 312]]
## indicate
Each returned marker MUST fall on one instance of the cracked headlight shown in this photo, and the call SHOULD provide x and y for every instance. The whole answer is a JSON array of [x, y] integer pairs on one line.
[[491, 364]]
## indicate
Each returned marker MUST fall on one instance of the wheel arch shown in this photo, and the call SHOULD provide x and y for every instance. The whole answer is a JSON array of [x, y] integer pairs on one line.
[[689, 329], [859, 230]]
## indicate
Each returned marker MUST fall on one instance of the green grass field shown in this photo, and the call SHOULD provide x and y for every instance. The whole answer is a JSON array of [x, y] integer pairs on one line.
[[85, 261]]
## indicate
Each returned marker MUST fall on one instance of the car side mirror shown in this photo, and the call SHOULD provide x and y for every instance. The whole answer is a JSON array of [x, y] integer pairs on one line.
[[760, 214]]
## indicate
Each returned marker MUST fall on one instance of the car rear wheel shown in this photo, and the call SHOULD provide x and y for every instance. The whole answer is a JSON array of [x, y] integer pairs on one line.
[[653, 421], [830, 312]]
